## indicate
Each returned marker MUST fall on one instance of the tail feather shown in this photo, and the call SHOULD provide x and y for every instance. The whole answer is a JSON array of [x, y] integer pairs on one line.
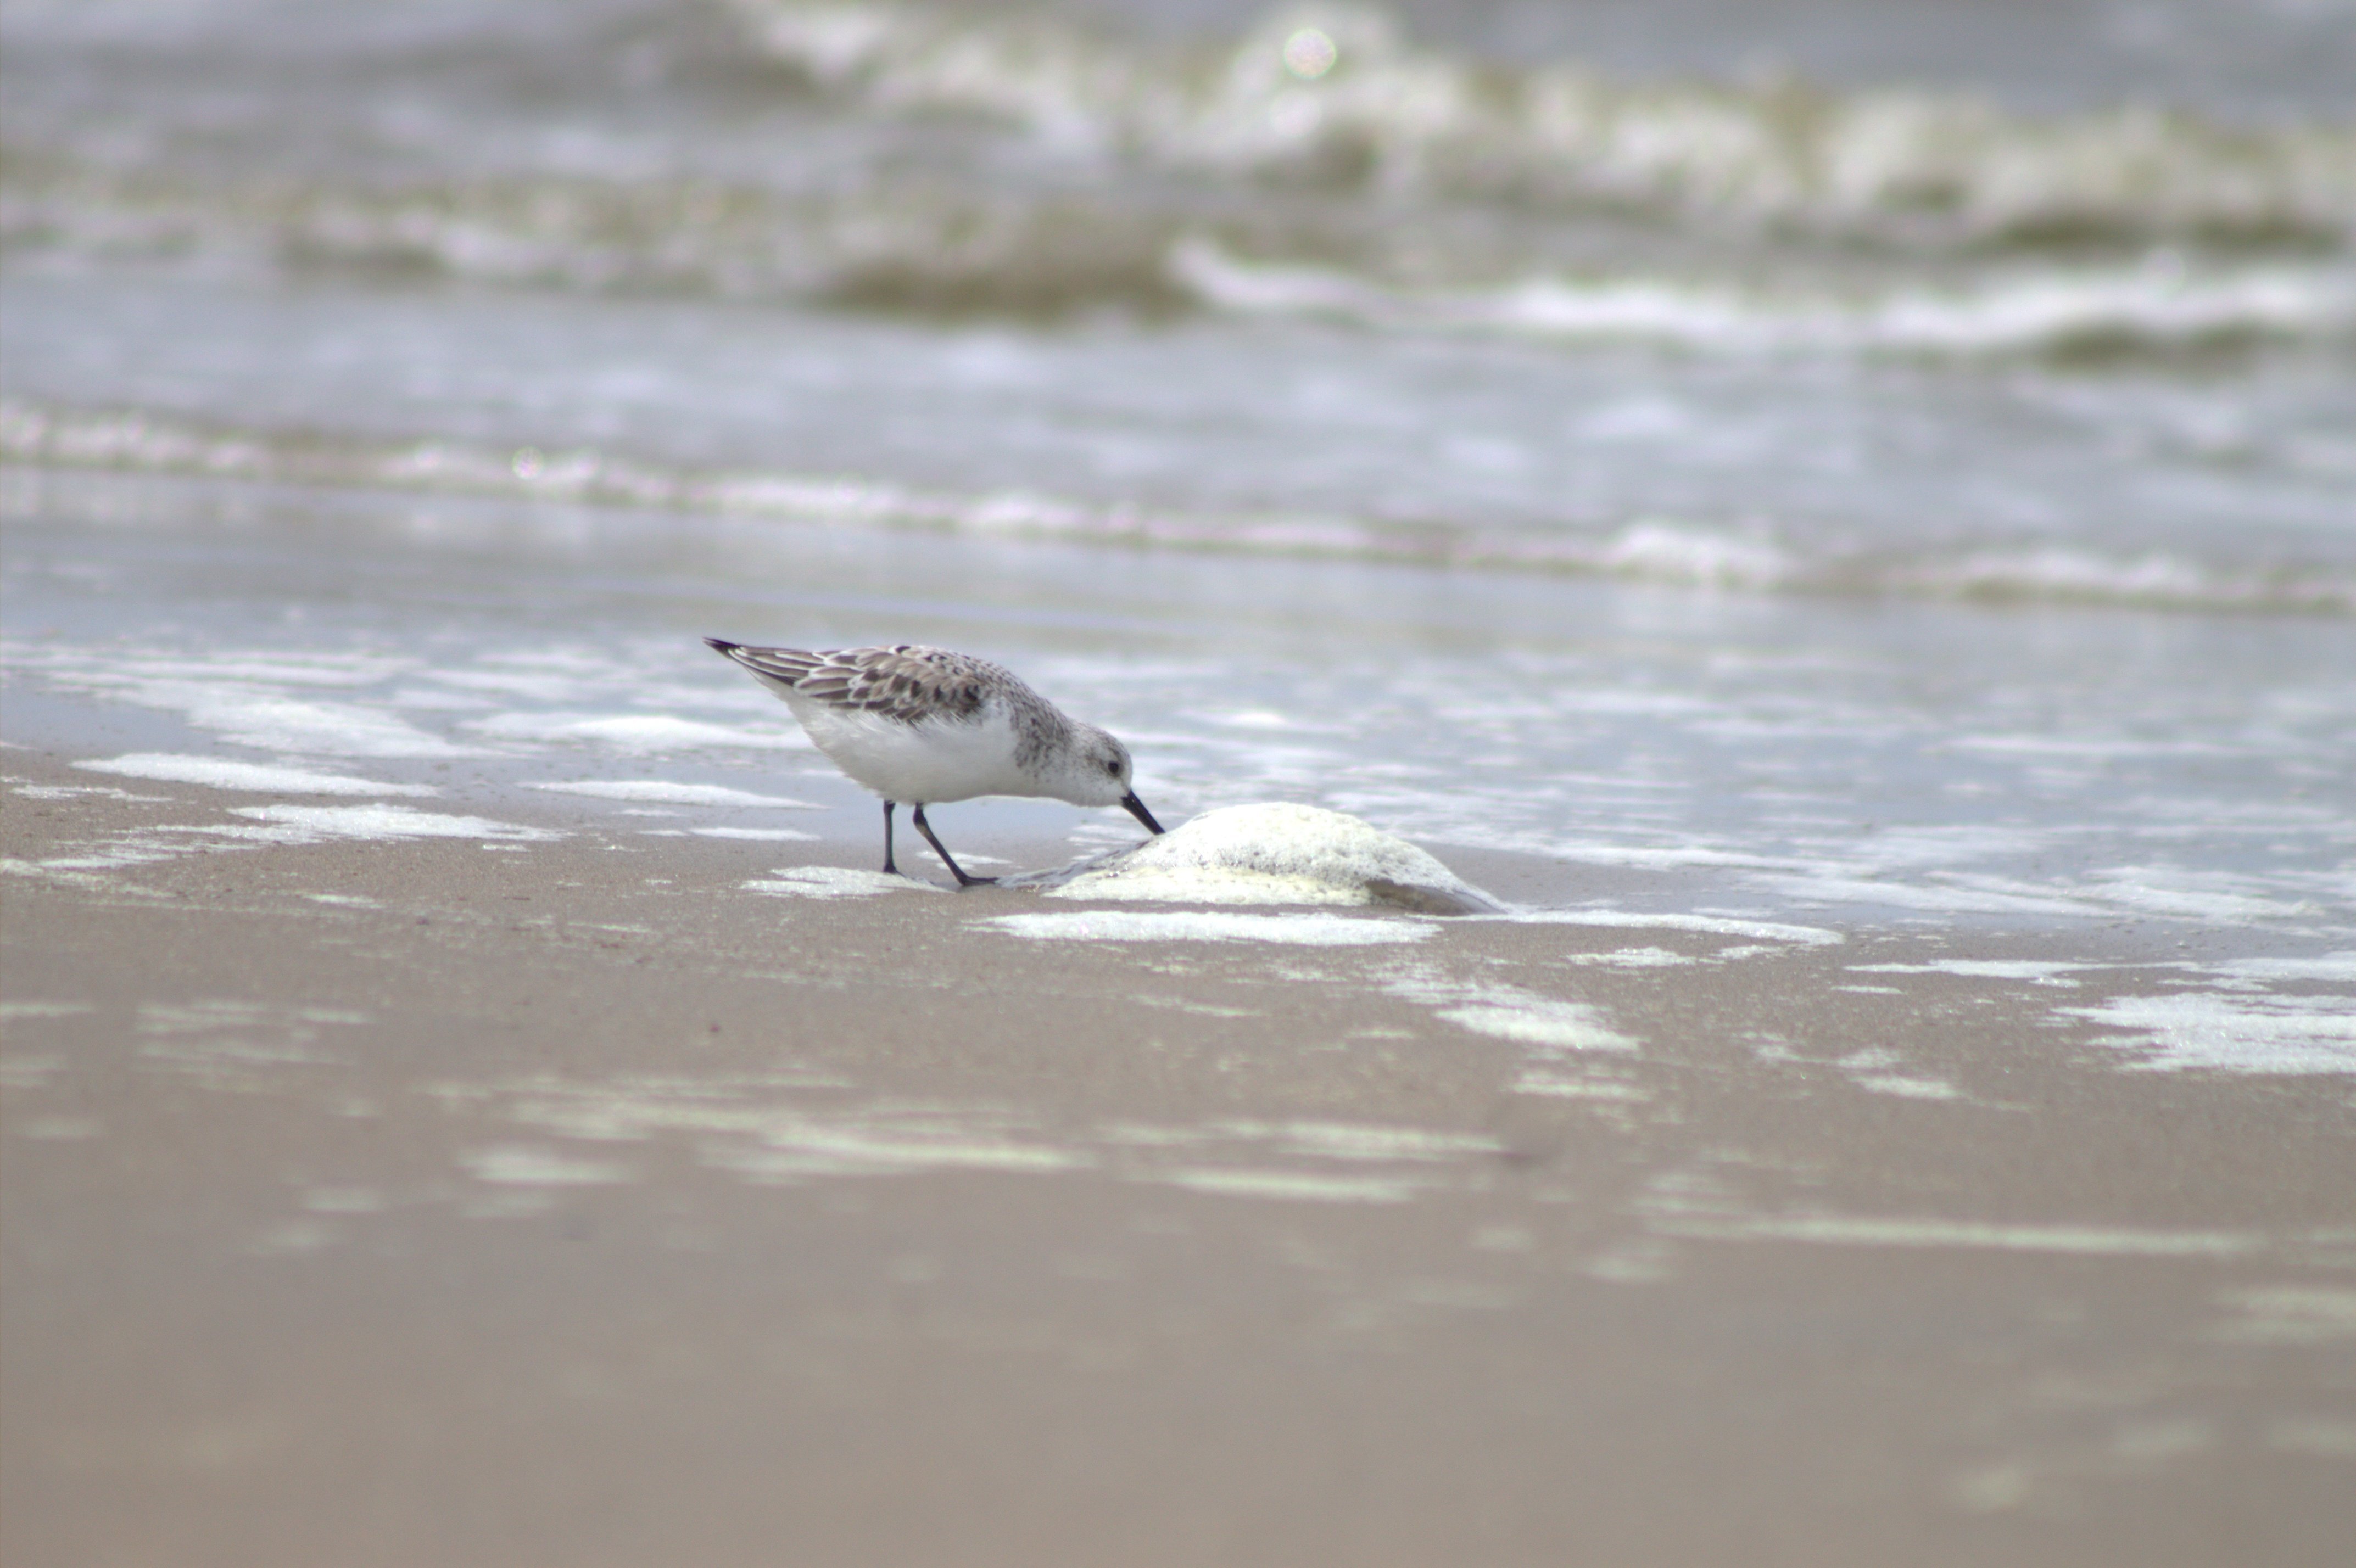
[[785, 667]]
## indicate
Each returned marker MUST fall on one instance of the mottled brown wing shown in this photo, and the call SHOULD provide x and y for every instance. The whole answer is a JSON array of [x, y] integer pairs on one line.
[[907, 682], [787, 667]]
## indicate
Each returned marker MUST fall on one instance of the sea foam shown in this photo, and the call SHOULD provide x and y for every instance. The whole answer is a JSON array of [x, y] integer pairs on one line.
[[258, 778], [1294, 930], [671, 792], [1277, 853]]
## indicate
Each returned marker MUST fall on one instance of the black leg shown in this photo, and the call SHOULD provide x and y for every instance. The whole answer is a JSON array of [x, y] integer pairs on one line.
[[917, 817], [889, 869]]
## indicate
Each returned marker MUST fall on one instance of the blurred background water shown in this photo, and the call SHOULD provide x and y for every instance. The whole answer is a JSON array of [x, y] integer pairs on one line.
[[1893, 455]]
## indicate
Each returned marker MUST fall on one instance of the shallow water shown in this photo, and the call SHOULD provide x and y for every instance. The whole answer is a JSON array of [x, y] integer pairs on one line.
[[1916, 485], [1901, 761]]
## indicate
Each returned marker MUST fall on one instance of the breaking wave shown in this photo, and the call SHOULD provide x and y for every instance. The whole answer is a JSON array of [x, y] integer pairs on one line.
[[931, 252], [968, 160], [1339, 96], [2157, 305], [926, 250], [1666, 552]]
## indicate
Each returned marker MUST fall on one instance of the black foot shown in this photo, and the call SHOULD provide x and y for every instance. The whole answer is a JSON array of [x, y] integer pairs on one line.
[[964, 882]]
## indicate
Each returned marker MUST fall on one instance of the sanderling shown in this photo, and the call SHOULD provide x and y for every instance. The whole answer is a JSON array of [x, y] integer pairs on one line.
[[928, 726]]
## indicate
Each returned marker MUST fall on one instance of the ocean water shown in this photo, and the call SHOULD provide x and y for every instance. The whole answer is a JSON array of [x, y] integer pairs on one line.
[[1837, 463]]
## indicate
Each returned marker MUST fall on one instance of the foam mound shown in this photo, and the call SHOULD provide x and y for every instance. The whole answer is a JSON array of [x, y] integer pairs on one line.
[[1275, 854]]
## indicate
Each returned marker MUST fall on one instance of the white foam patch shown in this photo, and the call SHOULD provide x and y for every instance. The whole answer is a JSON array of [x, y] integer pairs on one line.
[[314, 668], [1361, 1141], [321, 729], [1758, 930], [1875, 1071], [254, 778], [1633, 958], [795, 1154], [80, 792], [1296, 930], [1597, 852], [1906, 1088], [669, 793], [2022, 313], [2093, 1240], [1294, 1185], [638, 734], [2234, 1032], [2337, 967], [765, 1140], [1540, 1021], [1279, 853], [11, 1011], [1872, 1071], [832, 883], [1666, 552], [386, 822], [2102, 748], [759, 834], [131, 850], [1549, 1024], [1555, 1085], [2212, 898], [2038, 972], [231, 698], [519, 1167], [752, 1128]]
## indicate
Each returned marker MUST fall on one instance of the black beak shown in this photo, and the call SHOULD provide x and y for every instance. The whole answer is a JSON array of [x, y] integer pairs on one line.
[[1136, 808]]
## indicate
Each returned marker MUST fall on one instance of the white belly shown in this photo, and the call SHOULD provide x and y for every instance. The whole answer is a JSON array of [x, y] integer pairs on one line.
[[922, 764]]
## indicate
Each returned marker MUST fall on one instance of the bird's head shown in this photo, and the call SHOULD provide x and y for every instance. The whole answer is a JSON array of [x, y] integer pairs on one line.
[[1102, 774]]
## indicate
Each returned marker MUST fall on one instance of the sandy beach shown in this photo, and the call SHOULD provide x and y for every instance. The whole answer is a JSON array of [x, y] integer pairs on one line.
[[1830, 520], [389, 1203]]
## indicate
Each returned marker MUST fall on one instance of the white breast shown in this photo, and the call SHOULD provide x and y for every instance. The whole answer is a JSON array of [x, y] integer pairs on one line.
[[919, 764]]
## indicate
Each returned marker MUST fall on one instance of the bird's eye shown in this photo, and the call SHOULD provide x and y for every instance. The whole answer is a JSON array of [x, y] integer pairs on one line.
[[1113, 768]]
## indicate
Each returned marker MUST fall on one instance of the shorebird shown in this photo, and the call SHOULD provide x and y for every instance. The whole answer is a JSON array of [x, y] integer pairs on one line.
[[927, 726]]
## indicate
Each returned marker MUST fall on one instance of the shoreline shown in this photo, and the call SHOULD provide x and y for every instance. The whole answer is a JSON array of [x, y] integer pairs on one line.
[[569, 1188]]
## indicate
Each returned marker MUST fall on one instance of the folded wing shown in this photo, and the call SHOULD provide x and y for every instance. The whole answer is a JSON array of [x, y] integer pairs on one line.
[[909, 683]]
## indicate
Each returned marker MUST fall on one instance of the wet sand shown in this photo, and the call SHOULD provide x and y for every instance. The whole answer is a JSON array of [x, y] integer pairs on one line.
[[573, 1203]]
